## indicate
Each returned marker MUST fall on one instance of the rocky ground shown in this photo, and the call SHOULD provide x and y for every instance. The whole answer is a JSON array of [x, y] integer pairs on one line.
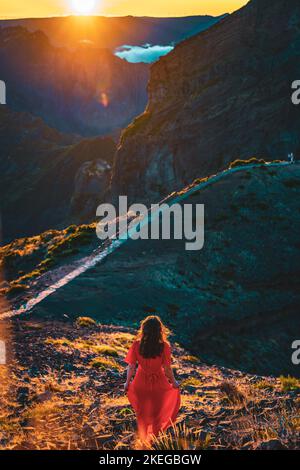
[[62, 389]]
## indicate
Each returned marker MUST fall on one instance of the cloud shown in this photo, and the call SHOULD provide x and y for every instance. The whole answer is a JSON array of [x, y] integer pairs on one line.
[[146, 53]]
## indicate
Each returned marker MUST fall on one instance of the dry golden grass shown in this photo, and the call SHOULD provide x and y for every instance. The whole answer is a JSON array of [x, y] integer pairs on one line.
[[180, 437], [83, 406]]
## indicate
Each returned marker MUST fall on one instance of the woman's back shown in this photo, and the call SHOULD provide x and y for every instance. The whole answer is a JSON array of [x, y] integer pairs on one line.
[[150, 364]]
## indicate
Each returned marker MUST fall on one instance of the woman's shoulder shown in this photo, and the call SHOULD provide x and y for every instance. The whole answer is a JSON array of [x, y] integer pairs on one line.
[[167, 346]]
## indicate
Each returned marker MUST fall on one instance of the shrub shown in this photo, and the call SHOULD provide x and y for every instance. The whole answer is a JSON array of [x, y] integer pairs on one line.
[[180, 437], [264, 385], [125, 412], [85, 322], [232, 392], [104, 363], [191, 382], [192, 359], [289, 384], [58, 342], [15, 289], [106, 350], [251, 161]]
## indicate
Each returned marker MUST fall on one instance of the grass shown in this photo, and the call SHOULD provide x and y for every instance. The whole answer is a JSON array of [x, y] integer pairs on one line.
[[15, 289], [191, 382], [105, 363], [232, 392], [180, 437], [265, 385], [289, 384], [85, 322], [251, 161], [26, 259], [192, 359], [281, 424], [58, 342], [106, 350], [86, 408]]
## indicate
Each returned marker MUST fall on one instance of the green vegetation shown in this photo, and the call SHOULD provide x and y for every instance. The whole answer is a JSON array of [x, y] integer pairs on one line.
[[192, 359], [191, 382], [104, 363], [181, 437], [232, 393], [264, 385], [289, 384], [106, 350], [58, 342], [15, 289], [86, 322], [26, 259], [251, 161]]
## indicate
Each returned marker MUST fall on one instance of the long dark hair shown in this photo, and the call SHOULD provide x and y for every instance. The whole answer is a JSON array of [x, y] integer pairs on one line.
[[152, 336]]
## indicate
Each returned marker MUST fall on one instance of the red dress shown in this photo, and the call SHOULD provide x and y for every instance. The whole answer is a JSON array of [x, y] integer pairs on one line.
[[155, 401]]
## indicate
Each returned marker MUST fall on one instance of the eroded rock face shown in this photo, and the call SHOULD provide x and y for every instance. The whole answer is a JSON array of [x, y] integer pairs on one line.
[[221, 95], [48, 179], [86, 90]]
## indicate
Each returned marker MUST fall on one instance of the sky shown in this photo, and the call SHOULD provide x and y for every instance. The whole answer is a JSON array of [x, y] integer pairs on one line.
[[43, 8]]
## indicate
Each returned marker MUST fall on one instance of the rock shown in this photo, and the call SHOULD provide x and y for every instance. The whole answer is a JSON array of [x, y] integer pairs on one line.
[[42, 397], [43, 149], [23, 395], [68, 367], [272, 444]]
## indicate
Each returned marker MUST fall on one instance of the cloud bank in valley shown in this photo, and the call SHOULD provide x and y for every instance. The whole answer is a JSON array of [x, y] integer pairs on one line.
[[147, 53]]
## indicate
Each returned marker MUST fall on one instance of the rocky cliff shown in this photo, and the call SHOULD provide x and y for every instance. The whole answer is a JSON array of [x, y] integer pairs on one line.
[[85, 90], [221, 95], [48, 179]]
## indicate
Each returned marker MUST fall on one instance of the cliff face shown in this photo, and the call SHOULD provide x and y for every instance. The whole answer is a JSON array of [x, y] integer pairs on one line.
[[221, 95], [87, 90], [42, 172]]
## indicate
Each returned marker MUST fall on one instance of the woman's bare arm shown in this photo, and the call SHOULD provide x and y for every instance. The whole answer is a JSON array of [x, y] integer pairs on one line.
[[131, 368], [170, 375]]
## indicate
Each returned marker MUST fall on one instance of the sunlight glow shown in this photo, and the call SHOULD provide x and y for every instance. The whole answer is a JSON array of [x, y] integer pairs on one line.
[[83, 7]]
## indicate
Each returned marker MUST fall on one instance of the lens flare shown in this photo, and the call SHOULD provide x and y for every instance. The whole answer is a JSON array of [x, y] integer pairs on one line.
[[83, 7]]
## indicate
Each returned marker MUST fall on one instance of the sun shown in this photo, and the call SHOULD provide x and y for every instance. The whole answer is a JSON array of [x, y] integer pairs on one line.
[[83, 7]]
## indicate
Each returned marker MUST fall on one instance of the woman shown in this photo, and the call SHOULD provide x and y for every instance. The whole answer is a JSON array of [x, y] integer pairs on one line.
[[154, 393]]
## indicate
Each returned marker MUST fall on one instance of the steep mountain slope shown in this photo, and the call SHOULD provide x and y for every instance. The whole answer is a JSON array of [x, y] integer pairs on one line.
[[48, 179], [88, 91], [221, 95], [234, 303], [113, 32]]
